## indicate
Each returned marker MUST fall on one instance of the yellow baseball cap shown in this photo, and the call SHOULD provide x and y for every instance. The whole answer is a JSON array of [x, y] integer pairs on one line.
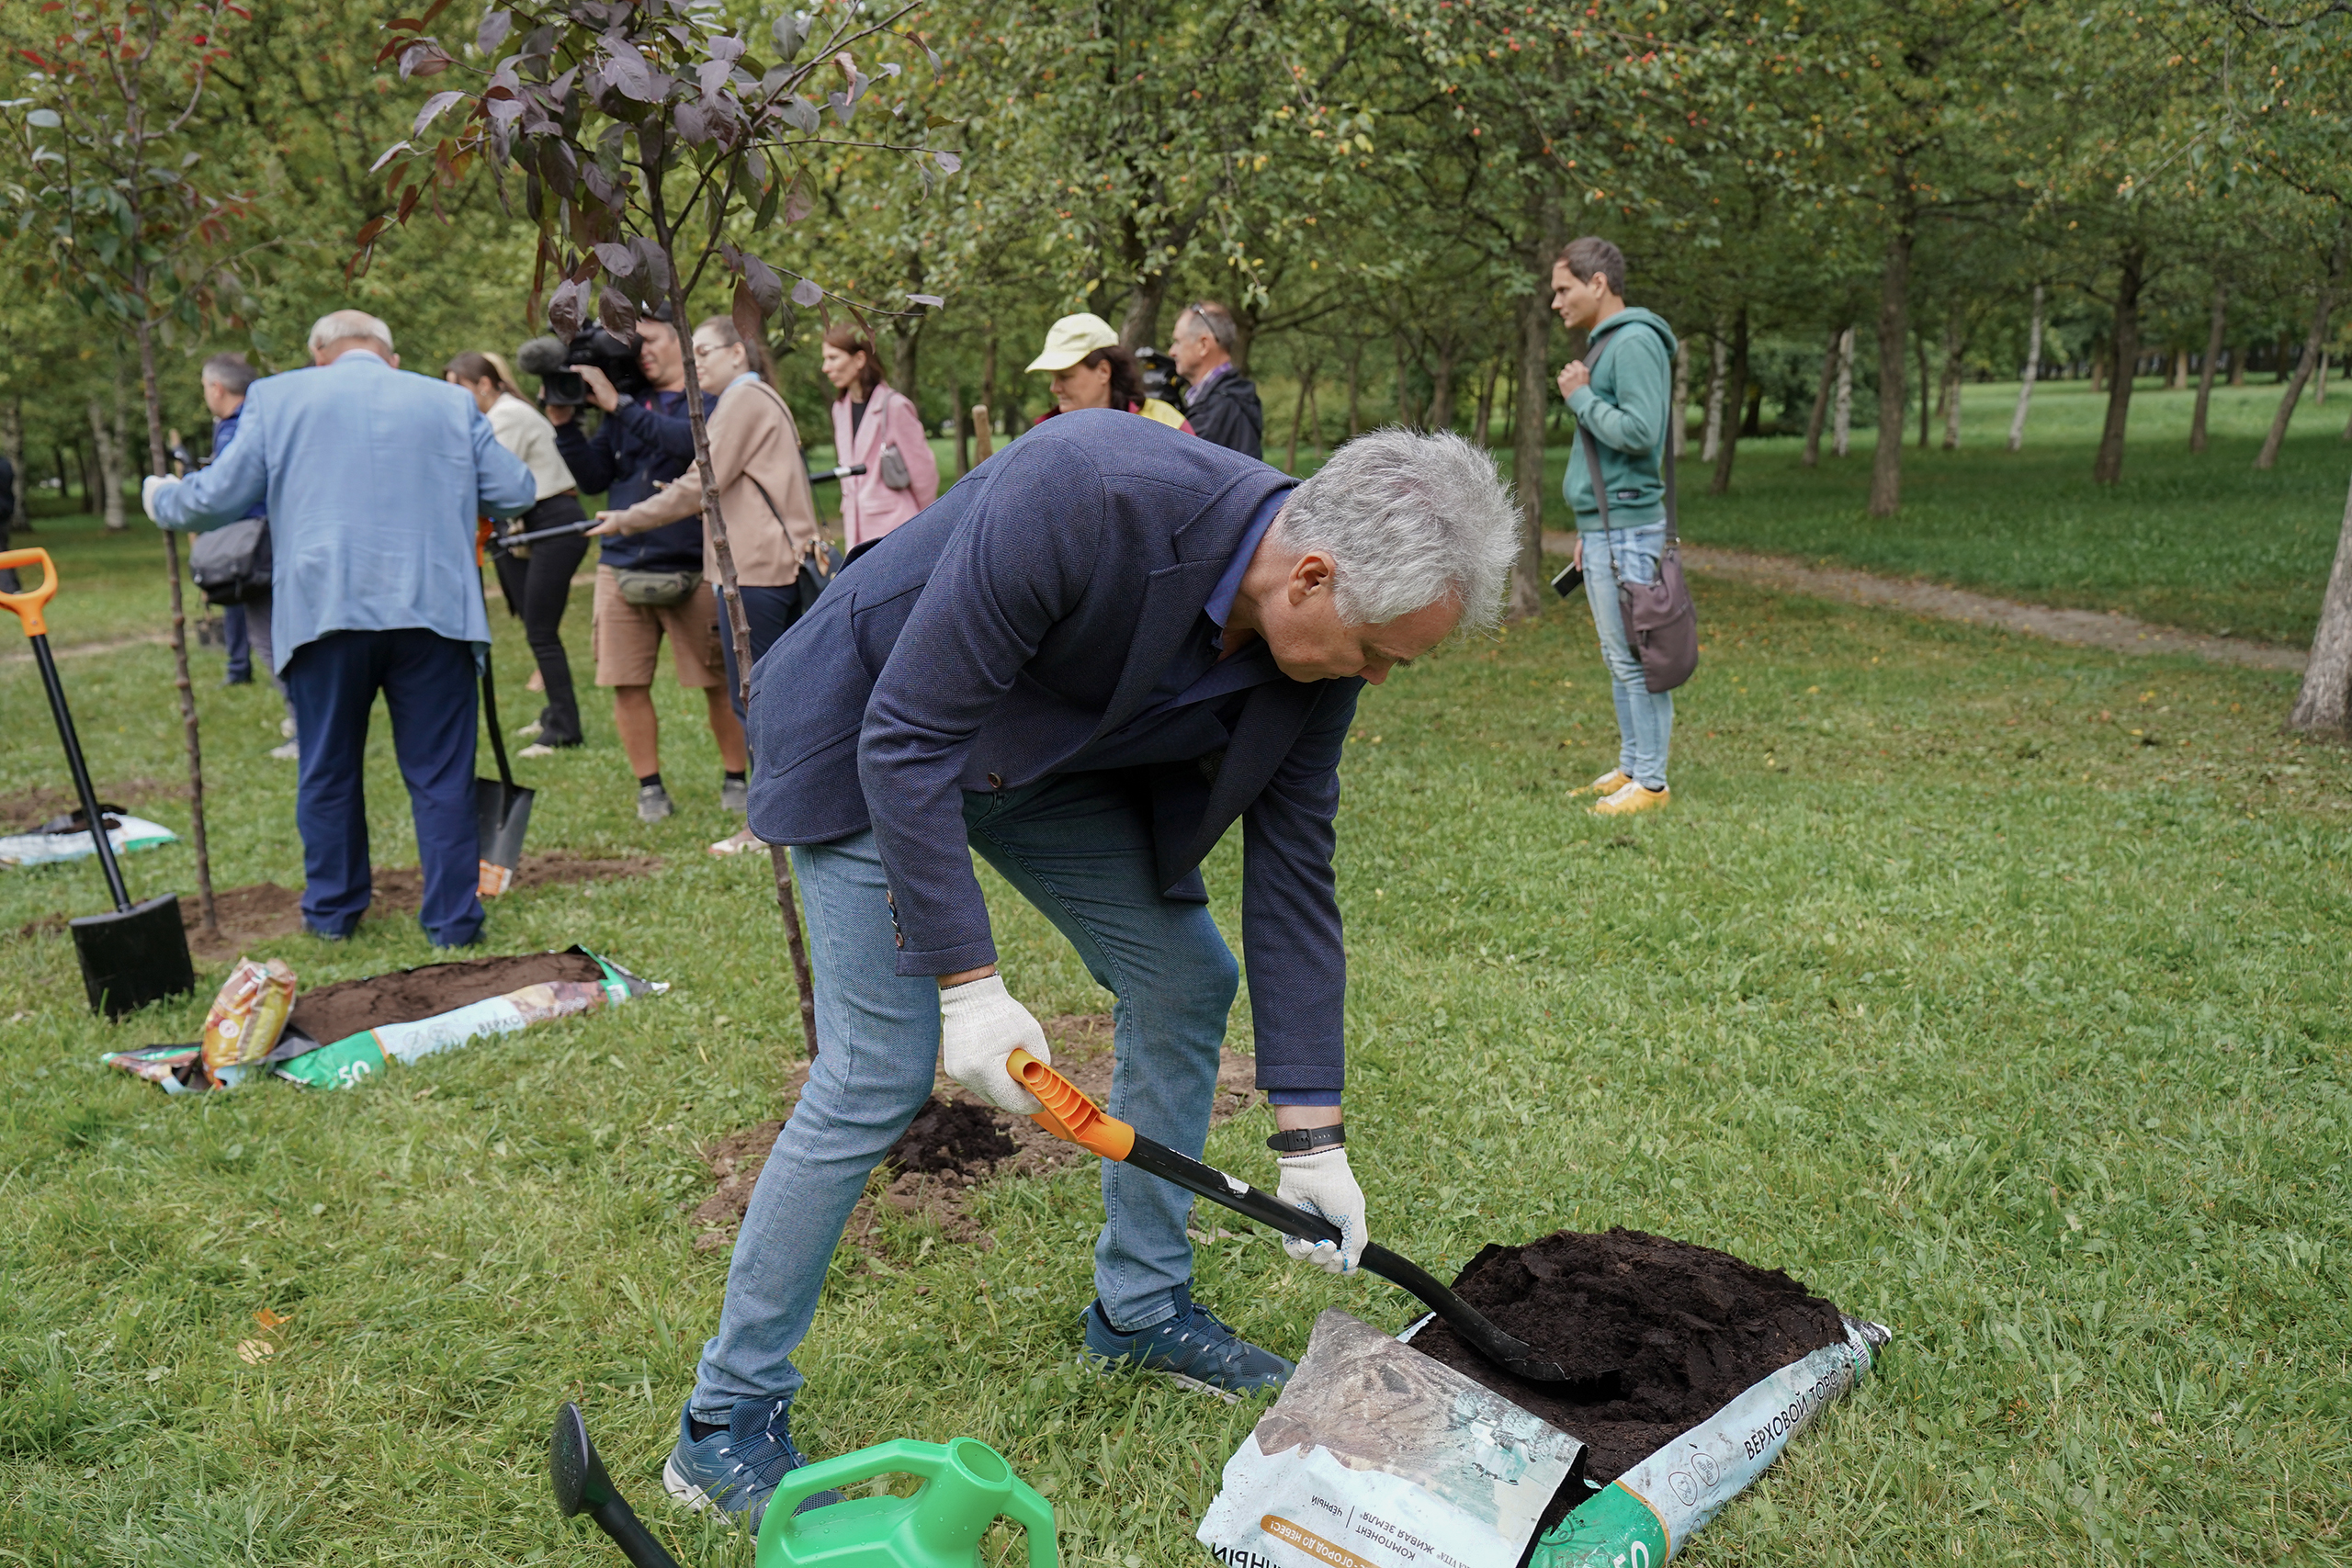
[[1071, 339]]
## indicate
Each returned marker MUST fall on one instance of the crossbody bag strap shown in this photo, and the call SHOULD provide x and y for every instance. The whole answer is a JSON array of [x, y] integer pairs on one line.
[[1665, 452]]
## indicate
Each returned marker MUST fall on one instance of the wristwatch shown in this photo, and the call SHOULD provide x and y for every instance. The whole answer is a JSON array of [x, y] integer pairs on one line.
[[1306, 1140]]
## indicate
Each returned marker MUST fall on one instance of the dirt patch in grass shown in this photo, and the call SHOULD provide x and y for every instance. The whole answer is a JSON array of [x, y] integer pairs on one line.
[[332, 1012], [24, 810], [956, 1144], [1662, 1333]]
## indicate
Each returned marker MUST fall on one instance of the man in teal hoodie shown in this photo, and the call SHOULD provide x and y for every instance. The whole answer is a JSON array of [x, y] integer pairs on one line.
[[1623, 391]]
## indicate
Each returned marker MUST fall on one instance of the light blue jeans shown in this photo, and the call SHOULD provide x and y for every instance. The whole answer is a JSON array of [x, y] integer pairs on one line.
[[1645, 719], [1079, 848]]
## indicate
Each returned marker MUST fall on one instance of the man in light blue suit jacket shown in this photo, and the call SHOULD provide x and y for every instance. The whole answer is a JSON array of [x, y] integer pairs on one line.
[[373, 479]]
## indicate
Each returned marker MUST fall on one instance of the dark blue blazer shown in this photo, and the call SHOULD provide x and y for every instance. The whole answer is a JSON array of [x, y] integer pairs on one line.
[[985, 642]]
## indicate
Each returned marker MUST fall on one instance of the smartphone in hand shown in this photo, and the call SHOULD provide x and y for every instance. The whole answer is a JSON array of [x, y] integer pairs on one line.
[[1571, 579]]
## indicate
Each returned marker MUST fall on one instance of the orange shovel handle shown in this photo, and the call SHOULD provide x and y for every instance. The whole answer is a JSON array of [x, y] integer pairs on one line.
[[1068, 1114], [27, 604]]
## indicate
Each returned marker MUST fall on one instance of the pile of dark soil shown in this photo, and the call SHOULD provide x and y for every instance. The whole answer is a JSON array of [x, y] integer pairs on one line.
[[955, 1144], [262, 911], [332, 1012], [1664, 1332], [24, 810]]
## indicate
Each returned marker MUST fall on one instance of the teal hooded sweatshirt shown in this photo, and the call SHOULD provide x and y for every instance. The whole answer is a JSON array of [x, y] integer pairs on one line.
[[1626, 407]]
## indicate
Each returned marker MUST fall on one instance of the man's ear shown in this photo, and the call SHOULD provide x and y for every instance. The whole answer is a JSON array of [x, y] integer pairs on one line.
[[1310, 574]]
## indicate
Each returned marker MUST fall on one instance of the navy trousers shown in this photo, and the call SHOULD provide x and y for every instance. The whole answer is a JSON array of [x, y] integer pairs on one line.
[[768, 613], [428, 682], [236, 644]]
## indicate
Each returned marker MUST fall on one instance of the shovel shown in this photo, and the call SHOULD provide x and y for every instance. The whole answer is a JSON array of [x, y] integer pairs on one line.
[[137, 953], [1069, 1115], [501, 807]]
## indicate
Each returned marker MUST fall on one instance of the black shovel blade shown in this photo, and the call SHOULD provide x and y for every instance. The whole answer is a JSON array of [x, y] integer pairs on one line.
[[132, 957], [579, 1475], [501, 812]]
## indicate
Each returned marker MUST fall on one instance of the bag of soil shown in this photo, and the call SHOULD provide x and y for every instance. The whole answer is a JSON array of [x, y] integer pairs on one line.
[[246, 1016], [1377, 1457]]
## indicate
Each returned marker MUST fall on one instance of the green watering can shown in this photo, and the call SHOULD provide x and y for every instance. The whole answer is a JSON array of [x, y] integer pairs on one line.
[[965, 1487]]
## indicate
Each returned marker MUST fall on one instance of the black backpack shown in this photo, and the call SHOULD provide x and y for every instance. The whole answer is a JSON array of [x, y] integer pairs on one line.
[[231, 564]]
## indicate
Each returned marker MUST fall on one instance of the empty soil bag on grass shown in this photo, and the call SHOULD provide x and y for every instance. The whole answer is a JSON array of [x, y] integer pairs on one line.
[[360, 1025], [1689, 1369]]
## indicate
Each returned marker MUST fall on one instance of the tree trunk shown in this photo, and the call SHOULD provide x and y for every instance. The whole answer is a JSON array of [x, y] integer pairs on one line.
[[1841, 419], [2033, 373], [1441, 392], [1528, 411], [1486, 415], [963, 426], [2237, 365], [2098, 370], [2179, 368], [1678, 402], [1735, 384], [988, 371], [1355, 371], [1951, 380], [1820, 417], [1403, 387], [1315, 420], [2108, 466], [2319, 380], [2205, 374], [737, 627], [2287, 400], [1298, 417], [12, 440], [1711, 441], [1141, 326], [104, 487], [158, 463], [1919, 352], [1893, 326], [2324, 705]]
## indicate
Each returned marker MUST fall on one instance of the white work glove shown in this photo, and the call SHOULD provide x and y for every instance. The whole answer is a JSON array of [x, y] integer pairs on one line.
[[1322, 1183], [980, 1026], [150, 488]]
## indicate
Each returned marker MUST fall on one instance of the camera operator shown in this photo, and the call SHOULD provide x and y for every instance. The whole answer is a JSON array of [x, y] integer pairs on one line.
[[649, 584]]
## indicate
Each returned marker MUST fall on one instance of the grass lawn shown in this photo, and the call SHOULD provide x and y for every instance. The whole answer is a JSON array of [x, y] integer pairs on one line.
[[1993, 988], [2196, 541]]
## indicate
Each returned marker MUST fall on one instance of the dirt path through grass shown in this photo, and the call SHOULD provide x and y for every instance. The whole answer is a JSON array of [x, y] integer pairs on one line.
[[2083, 628]]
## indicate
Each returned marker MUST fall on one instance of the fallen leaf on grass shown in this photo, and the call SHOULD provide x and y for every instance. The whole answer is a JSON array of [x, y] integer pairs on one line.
[[253, 1352], [269, 1319]]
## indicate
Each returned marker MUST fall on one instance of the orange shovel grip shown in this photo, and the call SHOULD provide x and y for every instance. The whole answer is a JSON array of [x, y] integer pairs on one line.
[[28, 604], [1068, 1114]]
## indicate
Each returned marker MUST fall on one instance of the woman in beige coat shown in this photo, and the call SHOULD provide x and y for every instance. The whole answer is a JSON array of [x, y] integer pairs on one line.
[[763, 497]]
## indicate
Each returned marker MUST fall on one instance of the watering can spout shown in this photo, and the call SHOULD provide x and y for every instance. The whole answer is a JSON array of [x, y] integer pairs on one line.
[[967, 1486]]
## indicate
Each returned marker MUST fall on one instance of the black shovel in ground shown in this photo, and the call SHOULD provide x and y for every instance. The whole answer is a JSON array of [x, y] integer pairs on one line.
[[501, 807], [581, 1486], [137, 953]]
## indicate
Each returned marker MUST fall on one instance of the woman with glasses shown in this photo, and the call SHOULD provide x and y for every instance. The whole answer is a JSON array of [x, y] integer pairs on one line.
[[764, 499]]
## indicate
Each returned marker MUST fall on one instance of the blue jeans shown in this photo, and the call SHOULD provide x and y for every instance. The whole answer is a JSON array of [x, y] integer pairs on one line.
[[1645, 719], [1079, 848], [428, 682]]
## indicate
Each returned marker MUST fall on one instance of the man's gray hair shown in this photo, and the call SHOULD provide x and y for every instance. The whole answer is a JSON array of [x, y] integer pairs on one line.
[[338, 324], [1407, 520], [232, 373], [1213, 318]]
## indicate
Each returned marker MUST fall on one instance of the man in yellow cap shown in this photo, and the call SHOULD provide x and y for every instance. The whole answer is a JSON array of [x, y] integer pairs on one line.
[[1091, 371]]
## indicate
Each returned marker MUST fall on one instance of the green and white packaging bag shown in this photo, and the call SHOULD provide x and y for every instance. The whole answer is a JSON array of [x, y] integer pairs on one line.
[[48, 849], [343, 1062], [1647, 1515], [1377, 1457]]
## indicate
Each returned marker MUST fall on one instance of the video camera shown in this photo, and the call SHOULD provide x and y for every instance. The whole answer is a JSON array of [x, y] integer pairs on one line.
[[1156, 370], [555, 363]]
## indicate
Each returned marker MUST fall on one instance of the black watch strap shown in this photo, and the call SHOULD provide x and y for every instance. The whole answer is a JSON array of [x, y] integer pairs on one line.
[[1306, 1140]]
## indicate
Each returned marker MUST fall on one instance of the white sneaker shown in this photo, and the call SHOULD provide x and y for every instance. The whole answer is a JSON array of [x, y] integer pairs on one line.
[[289, 753], [536, 751], [736, 843], [527, 731], [285, 727]]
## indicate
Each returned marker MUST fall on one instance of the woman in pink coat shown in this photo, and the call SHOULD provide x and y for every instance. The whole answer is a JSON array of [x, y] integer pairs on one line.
[[878, 427]]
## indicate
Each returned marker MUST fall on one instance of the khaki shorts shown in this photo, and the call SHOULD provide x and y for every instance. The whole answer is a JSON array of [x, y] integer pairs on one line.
[[627, 638]]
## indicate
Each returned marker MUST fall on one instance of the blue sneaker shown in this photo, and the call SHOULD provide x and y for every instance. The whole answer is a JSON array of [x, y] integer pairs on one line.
[[736, 1471], [1191, 1348]]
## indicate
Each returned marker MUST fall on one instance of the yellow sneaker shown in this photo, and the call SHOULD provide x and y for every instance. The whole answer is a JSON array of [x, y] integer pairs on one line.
[[1630, 799], [1609, 782]]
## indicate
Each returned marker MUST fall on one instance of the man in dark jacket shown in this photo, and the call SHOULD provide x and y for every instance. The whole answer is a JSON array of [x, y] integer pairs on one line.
[[643, 443], [1086, 661], [1221, 403]]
